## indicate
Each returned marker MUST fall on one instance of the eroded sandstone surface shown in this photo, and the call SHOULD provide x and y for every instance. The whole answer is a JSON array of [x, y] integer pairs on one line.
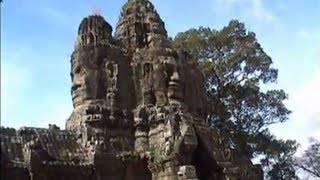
[[139, 113]]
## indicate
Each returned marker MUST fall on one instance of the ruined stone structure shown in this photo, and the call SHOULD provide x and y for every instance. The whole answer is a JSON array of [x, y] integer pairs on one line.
[[139, 113]]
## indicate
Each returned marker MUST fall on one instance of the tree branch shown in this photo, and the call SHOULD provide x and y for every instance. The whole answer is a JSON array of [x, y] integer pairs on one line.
[[308, 170]]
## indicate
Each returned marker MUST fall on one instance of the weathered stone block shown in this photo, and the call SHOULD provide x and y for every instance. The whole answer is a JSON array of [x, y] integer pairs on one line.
[[139, 113]]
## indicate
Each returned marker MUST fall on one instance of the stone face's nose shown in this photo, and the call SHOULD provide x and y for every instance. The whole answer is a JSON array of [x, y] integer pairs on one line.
[[175, 76]]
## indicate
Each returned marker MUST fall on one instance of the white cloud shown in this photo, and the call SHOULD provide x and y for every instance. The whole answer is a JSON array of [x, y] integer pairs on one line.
[[21, 103], [14, 79], [52, 110], [250, 9], [306, 98], [309, 35], [304, 101], [229, 2], [260, 12], [50, 11]]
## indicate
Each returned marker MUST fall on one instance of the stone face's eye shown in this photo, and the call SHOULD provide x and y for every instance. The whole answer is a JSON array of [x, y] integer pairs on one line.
[[169, 68], [77, 69], [72, 75], [147, 69], [82, 71]]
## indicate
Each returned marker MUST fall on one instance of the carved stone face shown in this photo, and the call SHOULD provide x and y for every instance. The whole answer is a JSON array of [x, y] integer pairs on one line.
[[78, 83], [168, 81], [174, 83], [173, 78], [87, 80]]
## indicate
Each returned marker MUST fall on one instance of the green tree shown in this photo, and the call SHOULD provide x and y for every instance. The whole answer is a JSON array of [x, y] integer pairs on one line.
[[310, 160], [279, 160], [236, 67]]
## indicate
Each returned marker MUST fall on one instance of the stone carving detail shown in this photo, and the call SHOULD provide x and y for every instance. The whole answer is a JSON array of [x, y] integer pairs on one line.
[[95, 114], [141, 130], [187, 173], [147, 70], [112, 72], [139, 105]]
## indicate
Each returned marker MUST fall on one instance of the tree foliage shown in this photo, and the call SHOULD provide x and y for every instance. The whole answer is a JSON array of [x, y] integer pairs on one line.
[[279, 161], [310, 160], [236, 67]]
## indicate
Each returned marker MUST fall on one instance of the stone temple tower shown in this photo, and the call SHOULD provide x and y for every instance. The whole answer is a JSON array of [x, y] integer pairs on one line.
[[138, 24], [139, 113], [97, 87]]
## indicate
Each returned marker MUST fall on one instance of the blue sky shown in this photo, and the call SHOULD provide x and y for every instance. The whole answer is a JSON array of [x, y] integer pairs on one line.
[[37, 38]]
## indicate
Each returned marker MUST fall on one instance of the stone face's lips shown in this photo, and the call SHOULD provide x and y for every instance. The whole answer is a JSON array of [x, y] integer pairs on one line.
[[175, 85], [76, 91], [77, 94], [175, 90], [141, 135], [75, 87]]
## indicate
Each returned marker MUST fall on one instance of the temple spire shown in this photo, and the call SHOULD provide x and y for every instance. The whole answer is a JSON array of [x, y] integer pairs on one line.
[[138, 23], [93, 30]]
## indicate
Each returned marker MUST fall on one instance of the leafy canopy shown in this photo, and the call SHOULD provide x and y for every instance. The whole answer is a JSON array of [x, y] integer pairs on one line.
[[236, 67], [310, 160]]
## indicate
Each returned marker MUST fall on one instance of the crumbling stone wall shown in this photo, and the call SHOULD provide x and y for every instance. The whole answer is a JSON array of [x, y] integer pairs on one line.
[[139, 113]]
